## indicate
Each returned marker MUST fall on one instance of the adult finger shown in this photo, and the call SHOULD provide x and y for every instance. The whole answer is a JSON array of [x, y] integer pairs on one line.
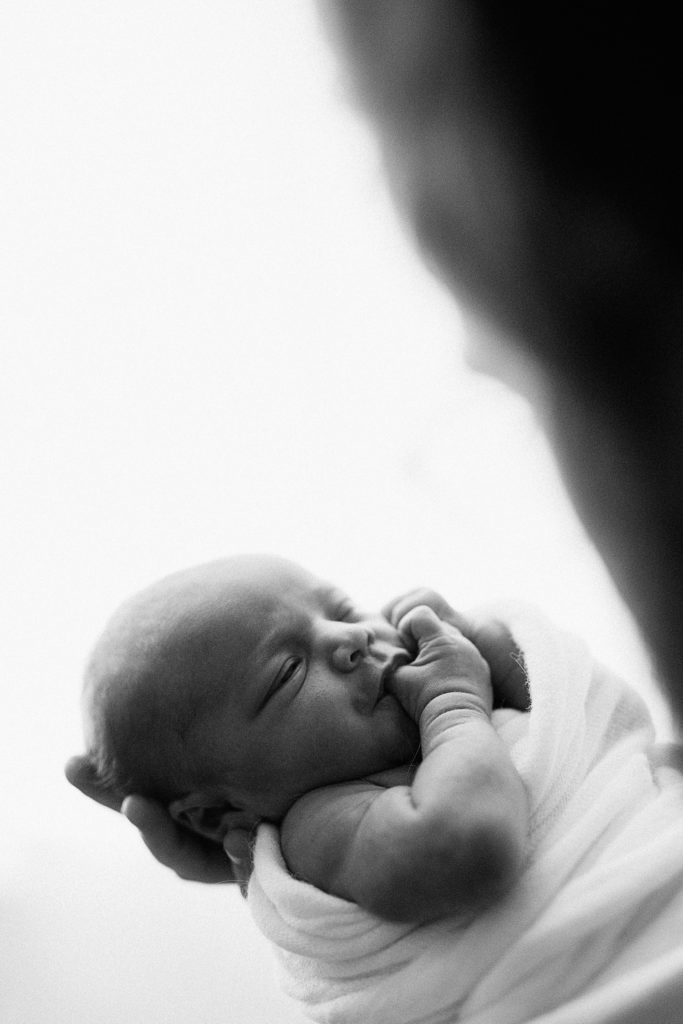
[[82, 774], [237, 844]]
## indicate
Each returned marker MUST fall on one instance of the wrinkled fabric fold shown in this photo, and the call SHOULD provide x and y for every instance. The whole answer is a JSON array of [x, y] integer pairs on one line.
[[600, 900]]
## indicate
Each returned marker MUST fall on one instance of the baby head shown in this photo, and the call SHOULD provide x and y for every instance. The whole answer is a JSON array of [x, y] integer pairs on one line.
[[230, 689]]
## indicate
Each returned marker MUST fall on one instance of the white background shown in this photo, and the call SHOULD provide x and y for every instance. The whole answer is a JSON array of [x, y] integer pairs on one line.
[[216, 337]]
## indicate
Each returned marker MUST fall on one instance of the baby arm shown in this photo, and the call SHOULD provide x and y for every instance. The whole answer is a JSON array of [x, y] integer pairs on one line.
[[451, 838]]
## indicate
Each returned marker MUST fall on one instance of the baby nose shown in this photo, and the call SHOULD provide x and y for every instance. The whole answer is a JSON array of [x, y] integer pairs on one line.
[[350, 646]]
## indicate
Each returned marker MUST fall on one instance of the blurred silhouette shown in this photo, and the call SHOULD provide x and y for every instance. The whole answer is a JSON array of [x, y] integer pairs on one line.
[[533, 150]]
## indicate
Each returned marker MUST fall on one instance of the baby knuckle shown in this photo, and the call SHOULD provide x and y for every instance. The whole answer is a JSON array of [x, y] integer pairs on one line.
[[429, 597]]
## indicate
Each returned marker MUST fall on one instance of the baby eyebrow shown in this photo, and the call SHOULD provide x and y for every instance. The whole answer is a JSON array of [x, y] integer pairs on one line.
[[333, 597], [324, 591]]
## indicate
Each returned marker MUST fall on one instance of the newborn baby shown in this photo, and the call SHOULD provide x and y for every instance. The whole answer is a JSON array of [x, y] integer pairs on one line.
[[248, 690], [489, 866]]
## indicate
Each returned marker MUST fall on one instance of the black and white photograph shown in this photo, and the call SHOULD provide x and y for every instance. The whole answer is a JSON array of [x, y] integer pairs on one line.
[[342, 513]]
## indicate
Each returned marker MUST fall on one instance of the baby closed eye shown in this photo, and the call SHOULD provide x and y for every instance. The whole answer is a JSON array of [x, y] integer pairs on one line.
[[292, 668]]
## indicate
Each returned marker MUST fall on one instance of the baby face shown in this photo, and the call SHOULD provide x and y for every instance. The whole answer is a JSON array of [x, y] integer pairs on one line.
[[298, 677]]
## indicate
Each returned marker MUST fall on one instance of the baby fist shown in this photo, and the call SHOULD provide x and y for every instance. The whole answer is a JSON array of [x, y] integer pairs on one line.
[[446, 663]]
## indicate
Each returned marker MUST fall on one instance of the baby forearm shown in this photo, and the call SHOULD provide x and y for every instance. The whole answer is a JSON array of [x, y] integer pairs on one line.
[[467, 785], [454, 840]]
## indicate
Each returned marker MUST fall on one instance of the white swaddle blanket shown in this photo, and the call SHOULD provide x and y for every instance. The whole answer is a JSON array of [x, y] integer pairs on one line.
[[593, 931]]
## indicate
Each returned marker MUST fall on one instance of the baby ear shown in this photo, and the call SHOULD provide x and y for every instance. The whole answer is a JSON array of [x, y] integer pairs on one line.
[[210, 816]]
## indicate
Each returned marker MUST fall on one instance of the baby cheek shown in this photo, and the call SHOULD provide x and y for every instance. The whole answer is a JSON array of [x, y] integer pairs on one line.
[[361, 705], [402, 734]]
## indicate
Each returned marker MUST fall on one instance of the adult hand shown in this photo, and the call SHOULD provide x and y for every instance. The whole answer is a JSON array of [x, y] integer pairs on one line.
[[191, 857]]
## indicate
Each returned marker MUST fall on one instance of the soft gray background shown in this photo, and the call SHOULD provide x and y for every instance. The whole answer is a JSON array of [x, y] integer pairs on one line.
[[215, 338]]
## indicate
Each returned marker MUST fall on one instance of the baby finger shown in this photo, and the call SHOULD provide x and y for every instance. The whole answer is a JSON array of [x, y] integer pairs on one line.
[[420, 625]]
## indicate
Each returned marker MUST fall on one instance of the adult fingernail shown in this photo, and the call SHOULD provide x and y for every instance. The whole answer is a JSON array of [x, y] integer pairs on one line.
[[234, 850], [128, 808]]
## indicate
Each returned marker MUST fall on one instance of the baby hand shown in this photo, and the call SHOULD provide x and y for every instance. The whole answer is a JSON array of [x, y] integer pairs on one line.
[[446, 664], [492, 638]]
